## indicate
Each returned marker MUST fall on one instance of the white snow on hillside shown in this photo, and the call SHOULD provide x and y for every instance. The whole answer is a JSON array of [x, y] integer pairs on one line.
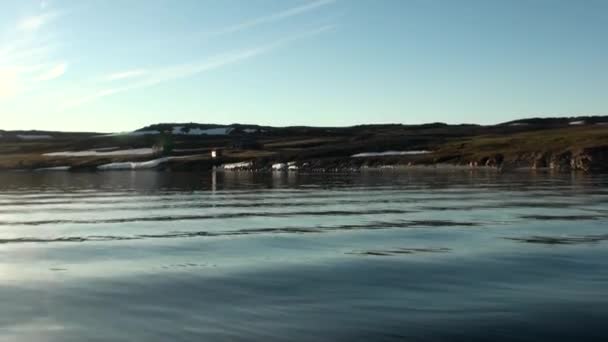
[[191, 150], [131, 134], [210, 131], [149, 164], [93, 153], [34, 137], [389, 153], [105, 149], [279, 166], [140, 133], [291, 166], [181, 130], [177, 130], [237, 166], [54, 168], [577, 123]]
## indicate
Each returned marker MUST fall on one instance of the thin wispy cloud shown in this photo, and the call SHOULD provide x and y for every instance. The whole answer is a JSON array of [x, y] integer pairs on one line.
[[89, 98], [25, 54], [291, 12], [166, 74], [27, 57], [170, 73], [35, 22], [125, 75], [30, 69], [54, 72]]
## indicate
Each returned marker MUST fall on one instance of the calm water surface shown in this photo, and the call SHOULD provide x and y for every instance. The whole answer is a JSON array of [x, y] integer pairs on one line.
[[411, 256]]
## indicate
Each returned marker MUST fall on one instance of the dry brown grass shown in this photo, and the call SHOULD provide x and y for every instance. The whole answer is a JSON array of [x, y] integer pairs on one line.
[[545, 141], [301, 143], [455, 144]]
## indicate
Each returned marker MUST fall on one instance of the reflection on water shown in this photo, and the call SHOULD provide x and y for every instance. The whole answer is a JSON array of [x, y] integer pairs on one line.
[[392, 256]]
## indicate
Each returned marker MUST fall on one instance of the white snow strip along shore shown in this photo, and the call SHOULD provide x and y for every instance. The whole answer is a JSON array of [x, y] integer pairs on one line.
[[150, 164], [34, 137], [237, 166], [279, 166], [389, 153], [54, 168], [97, 153]]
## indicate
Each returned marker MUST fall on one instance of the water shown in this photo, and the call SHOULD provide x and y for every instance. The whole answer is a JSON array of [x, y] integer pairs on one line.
[[418, 256]]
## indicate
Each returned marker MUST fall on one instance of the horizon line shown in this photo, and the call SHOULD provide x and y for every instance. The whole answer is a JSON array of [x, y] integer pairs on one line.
[[312, 126]]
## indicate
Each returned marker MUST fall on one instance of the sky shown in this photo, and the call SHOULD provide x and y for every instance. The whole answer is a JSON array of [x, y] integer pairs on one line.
[[110, 65]]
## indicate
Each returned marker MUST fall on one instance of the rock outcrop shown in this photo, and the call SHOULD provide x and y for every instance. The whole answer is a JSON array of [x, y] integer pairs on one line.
[[592, 159]]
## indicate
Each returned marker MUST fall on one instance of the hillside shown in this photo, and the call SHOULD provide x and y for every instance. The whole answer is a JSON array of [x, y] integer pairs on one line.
[[577, 143]]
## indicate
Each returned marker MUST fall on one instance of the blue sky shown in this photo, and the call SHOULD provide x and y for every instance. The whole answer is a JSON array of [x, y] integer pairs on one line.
[[118, 65]]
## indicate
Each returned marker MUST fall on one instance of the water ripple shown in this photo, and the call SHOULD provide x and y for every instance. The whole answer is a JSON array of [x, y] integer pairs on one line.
[[281, 230]]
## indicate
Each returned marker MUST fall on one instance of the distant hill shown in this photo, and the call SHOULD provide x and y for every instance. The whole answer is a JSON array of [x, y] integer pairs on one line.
[[566, 143], [558, 121]]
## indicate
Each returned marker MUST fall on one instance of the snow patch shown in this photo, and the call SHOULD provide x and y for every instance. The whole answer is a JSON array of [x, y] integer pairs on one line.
[[389, 153], [150, 164], [279, 166], [55, 168], [105, 149], [291, 166], [250, 130], [237, 166], [140, 133], [34, 137], [97, 153], [181, 150], [577, 123], [181, 130], [210, 131]]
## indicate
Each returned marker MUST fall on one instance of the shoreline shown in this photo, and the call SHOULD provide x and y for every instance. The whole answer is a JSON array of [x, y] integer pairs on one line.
[[498, 148], [266, 170]]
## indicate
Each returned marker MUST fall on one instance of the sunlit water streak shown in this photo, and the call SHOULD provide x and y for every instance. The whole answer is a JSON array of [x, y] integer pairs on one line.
[[414, 256]]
